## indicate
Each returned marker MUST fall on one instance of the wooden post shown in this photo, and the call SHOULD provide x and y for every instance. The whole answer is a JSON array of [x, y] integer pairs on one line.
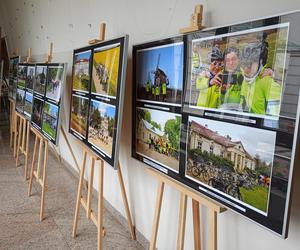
[[100, 205], [181, 222], [195, 20], [160, 193], [29, 56], [213, 207], [101, 34], [50, 53], [125, 201], [196, 224], [43, 142]]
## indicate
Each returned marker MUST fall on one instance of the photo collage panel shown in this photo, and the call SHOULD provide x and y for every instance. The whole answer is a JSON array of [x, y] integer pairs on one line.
[[48, 84], [157, 89], [13, 76], [97, 95], [229, 129]]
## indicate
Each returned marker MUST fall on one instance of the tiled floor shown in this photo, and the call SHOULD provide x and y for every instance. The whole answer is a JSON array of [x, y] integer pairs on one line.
[[19, 214]]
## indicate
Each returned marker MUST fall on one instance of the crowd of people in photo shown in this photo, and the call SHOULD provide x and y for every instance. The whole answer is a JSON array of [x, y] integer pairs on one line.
[[238, 78], [162, 146], [102, 74]]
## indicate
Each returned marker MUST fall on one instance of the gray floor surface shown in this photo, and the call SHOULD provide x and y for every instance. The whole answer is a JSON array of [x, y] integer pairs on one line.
[[20, 227]]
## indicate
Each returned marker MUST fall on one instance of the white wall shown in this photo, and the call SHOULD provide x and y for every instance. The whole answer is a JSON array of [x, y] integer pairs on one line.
[[70, 24]]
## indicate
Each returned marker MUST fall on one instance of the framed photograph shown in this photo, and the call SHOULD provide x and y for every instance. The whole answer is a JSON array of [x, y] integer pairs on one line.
[[238, 72], [105, 70], [28, 104], [101, 126], [50, 120], [158, 137], [30, 77], [13, 76], [48, 85], [239, 115], [22, 75], [98, 85], [79, 116], [55, 78], [37, 112], [159, 73], [20, 100], [81, 72], [40, 80]]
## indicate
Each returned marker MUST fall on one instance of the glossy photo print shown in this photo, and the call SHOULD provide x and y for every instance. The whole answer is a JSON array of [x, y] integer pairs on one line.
[[234, 160], [158, 136], [37, 112], [79, 115], [159, 73], [55, 78], [105, 70], [28, 104], [20, 100], [22, 76], [30, 77], [81, 71], [101, 126], [40, 79], [50, 120], [239, 72]]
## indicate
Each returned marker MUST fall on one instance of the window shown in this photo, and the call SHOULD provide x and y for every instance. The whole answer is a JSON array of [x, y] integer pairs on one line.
[[199, 146], [211, 148]]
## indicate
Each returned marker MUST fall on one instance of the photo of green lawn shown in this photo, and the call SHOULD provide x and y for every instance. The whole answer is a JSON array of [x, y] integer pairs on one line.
[[22, 75], [50, 121]]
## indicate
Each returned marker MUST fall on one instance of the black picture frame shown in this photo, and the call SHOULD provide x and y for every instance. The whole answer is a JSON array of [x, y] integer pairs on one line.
[[285, 126], [108, 106]]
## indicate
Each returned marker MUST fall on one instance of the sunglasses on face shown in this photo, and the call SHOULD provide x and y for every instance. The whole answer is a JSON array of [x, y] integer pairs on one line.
[[217, 64]]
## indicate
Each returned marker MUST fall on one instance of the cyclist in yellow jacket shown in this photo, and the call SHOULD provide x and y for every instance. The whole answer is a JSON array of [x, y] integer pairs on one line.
[[260, 94]]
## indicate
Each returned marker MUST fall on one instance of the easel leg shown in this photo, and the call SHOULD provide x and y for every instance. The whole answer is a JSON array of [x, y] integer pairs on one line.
[[44, 180], [160, 192], [212, 215], [32, 166], [90, 189], [196, 223], [124, 196], [100, 206], [19, 142], [181, 223], [78, 201], [15, 135], [27, 150]]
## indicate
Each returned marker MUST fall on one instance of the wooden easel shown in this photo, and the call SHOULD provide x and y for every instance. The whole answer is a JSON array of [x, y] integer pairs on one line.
[[195, 20], [42, 153], [197, 199], [23, 140], [98, 220], [35, 174], [86, 203], [24, 132]]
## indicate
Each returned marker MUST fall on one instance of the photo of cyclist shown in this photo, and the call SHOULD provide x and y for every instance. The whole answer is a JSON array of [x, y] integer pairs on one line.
[[260, 93]]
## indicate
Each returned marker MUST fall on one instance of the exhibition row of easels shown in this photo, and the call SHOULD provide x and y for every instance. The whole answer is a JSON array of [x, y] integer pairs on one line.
[[20, 130]]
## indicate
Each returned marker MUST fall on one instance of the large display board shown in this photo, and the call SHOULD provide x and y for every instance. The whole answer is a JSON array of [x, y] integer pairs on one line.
[[12, 76], [98, 85], [48, 86], [239, 116]]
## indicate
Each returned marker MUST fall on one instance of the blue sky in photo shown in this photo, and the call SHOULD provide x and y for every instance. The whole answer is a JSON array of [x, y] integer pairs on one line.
[[83, 55], [28, 97], [171, 62], [109, 110], [53, 110], [254, 140]]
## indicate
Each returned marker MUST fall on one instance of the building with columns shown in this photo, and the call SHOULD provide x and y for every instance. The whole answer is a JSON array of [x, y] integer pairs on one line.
[[203, 138]]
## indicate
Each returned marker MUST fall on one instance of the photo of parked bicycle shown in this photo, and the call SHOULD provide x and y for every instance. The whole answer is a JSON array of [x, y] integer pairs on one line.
[[231, 159]]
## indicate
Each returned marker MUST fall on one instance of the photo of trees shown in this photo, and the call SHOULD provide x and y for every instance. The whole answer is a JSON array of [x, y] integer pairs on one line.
[[50, 120], [81, 73], [40, 79], [158, 136], [79, 114], [55, 78]]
